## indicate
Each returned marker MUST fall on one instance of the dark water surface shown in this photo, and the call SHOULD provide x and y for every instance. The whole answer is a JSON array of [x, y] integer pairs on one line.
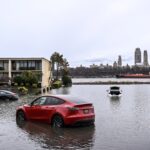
[[121, 124]]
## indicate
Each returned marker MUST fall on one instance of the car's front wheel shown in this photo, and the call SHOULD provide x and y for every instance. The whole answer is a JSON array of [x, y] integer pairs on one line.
[[6, 98], [20, 116], [57, 121]]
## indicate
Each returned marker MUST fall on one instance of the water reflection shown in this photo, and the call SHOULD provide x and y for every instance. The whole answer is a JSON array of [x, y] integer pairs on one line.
[[59, 138], [64, 90], [115, 103]]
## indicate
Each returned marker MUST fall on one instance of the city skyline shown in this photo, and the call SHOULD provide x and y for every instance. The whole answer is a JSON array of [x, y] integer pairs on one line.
[[85, 32], [140, 59]]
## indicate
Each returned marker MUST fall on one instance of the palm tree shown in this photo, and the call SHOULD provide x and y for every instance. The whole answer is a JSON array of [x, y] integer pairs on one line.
[[56, 59], [65, 66]]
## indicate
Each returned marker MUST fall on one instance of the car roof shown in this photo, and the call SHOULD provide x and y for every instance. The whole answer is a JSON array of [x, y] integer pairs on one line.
[[6, 91], [115, 87], [69, 98]]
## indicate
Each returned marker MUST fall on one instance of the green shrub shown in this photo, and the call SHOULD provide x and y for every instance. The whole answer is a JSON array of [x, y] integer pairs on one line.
[[18, 79], [27, 84], [23, 90], [27, 78], [66, 81], [57, 84], [34, 85], [15, 84], [22, 84]]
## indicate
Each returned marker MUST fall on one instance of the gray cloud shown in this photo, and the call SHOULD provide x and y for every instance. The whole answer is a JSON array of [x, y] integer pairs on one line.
[[81, 30]]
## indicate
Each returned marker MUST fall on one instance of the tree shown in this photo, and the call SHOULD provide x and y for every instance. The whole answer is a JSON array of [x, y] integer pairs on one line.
[[65, 65], [61, 68], [56, 59]]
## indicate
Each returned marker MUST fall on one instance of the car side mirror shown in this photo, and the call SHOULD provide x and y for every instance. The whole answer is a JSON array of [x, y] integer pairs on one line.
[[31, 104]]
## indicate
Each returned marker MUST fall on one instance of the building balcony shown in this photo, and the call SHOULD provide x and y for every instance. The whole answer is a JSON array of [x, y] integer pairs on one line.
[[2, 69], [26, 69]]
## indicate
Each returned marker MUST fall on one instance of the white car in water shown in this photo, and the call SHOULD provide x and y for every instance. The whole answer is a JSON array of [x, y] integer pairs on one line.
[[114, 91]]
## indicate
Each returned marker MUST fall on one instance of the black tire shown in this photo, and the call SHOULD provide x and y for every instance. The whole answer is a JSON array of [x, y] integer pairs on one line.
[[5, 98], [20, 116], [57, 121]]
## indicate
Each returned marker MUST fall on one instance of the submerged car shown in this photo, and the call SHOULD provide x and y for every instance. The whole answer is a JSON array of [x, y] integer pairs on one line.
[[7, 95], [114, 91], [58, 110]]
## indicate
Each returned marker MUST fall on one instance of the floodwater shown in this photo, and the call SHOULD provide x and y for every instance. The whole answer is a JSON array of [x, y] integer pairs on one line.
[[121, 124]]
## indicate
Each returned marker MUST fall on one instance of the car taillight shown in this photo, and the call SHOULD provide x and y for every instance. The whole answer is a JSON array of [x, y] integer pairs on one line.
[[73, 108], [92, 110]]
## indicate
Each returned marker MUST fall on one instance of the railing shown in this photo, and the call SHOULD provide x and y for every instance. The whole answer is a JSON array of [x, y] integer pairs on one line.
[[26, 68], [3, 69]]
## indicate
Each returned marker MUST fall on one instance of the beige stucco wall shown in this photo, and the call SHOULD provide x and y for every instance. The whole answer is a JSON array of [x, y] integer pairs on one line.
[[46, 73]]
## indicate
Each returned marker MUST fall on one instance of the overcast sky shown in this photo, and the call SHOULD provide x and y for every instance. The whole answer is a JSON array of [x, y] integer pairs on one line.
[[84, 31]]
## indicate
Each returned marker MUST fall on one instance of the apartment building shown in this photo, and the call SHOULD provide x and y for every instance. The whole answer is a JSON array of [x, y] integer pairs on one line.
[[11, 67]]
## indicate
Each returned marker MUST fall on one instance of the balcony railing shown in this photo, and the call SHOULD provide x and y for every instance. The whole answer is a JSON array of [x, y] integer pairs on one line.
[[3, 69], [24, 68]]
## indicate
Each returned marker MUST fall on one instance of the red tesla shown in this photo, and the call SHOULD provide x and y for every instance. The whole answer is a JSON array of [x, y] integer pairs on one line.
[[58, 110]]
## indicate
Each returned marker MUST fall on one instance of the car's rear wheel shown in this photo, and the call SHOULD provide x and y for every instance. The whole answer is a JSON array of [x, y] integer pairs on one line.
[[57, 121], [21, 116]]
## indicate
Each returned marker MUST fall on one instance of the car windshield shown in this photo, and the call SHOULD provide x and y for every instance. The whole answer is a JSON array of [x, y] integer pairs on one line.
[[114, 88], [7, 92]]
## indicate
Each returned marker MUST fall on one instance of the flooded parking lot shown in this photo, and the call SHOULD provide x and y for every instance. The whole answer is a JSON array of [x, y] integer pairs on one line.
[[120, 124]]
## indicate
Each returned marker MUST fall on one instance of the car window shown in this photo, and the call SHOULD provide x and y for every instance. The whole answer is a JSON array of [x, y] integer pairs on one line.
[[39, 101], [53, 101]]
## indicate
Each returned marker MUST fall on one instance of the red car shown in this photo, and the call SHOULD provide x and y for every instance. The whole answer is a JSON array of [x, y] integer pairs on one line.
[[58, 110]]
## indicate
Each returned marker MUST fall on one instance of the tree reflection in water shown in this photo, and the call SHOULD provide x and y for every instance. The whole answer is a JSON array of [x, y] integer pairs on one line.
[[59, 138]]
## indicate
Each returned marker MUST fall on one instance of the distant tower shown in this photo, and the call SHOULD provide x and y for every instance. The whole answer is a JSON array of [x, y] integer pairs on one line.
[[119, 61], [145, 58], [137, 56], [115, 64]]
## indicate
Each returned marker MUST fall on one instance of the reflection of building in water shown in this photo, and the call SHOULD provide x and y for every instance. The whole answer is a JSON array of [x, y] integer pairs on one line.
[[60, 138]]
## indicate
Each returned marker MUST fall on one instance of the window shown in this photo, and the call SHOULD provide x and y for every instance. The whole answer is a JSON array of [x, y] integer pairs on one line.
[[23, 65], [53, 101], [38, 65], [1, 63], [31, 63], [39, 101]]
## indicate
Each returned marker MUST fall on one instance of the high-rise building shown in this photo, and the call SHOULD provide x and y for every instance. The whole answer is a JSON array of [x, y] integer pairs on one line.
[[115, 64], [137, 56], [145, 58], [119, 61]]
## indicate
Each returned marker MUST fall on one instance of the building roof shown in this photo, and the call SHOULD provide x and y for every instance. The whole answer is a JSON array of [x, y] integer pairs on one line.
[[23, 58]]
